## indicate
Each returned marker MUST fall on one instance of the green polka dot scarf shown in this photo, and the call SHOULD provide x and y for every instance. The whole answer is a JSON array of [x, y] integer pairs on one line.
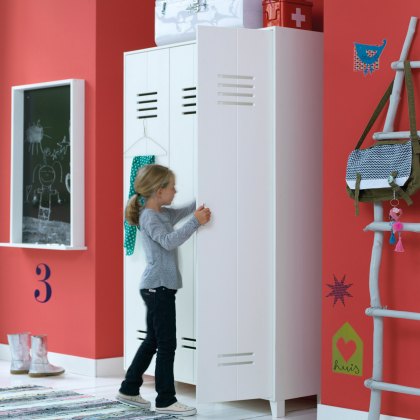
[[131, 231]]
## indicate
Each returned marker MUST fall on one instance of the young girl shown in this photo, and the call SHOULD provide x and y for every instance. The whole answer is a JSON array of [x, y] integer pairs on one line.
[[155, 188]]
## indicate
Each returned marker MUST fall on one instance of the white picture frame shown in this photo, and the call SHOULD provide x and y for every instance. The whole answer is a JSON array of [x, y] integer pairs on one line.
[[47, 166]]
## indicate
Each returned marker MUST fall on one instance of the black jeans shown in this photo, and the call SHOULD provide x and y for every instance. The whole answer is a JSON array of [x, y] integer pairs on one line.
[[161, 337]]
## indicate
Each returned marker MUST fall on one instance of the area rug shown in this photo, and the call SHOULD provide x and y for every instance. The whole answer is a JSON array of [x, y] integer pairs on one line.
[[38, 402]]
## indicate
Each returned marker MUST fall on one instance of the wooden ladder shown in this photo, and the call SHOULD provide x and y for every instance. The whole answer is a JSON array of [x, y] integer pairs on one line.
[[379, 226]]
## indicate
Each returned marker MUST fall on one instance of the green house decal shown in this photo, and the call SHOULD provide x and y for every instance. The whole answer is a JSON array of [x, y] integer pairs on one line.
[[347, 351]]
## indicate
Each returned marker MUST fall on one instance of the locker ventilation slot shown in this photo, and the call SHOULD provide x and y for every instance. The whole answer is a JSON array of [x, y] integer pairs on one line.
[[234, 359], [240, 89], [189, 101], [188, 343], [141, 333], [147, 106]]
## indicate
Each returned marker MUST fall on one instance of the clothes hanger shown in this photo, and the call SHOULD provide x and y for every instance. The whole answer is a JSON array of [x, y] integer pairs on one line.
[[140, 146]]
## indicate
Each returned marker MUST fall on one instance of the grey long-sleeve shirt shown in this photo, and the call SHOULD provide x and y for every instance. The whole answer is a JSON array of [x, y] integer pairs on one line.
[[160, 242]]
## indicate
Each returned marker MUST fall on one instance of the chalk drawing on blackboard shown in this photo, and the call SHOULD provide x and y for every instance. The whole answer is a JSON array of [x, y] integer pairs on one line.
[[67, 182], [43, 195], [46, 162], [61, 149], [34, 135]]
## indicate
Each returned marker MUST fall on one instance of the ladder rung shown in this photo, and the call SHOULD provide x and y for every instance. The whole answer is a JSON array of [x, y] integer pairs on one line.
[[384, 386], [387, 313], [385, 227], [392, 135], [399, 65]]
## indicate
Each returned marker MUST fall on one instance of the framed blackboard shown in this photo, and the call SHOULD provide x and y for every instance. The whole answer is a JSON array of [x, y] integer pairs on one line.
[[46, 166], [47, 200]]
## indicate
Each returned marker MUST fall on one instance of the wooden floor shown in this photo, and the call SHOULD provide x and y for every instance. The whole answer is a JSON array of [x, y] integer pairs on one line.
[[302, 409]]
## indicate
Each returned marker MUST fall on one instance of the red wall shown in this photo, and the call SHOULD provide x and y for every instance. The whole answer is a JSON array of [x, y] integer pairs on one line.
[[40, 43], [137, 23], [350, 98], [121, 26], [54, 40]]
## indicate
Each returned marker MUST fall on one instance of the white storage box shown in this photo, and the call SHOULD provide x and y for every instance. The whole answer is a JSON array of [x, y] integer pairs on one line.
[[177, 20]]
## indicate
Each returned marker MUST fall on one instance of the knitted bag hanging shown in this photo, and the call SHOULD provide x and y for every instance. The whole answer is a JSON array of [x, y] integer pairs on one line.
[[389, 169], [130, 231]]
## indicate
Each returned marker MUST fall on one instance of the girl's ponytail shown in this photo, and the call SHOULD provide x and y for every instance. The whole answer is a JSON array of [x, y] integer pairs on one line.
[[148, 180], [132, 210]]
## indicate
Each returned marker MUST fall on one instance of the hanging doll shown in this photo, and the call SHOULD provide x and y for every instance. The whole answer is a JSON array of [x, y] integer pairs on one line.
[[396, 227]]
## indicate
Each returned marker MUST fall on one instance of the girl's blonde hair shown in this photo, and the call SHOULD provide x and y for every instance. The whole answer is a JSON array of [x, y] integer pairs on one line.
[[148, 181]]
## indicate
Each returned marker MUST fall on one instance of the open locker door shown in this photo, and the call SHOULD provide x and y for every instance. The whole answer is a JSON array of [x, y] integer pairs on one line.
[[235, 251]]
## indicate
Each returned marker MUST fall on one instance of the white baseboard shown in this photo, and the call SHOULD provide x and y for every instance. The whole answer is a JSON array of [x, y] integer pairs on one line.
[[327, 412], [80, 365]]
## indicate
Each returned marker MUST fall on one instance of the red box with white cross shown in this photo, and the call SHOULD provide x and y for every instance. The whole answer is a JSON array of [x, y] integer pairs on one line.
[[290, 13]]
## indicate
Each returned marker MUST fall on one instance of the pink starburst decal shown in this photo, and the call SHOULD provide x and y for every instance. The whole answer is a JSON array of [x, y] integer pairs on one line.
[[339, 290]]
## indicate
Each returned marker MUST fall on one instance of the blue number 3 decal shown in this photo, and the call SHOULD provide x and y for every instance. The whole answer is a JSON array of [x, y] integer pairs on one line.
[[47, 275]]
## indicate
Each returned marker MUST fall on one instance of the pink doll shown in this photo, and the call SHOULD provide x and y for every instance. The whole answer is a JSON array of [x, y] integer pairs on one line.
[[396, 226]]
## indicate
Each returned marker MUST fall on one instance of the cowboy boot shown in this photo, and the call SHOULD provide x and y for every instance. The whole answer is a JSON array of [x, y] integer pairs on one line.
[[19, 349], [39, 364]]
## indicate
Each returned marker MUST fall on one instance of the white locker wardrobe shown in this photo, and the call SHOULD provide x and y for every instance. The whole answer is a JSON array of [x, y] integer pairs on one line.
[[239, 116]]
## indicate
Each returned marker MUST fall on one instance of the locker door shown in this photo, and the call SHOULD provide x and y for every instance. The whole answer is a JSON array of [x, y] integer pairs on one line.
[[146, 106], [255, 212], [146, 102], [182, 161], [235, 252]]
